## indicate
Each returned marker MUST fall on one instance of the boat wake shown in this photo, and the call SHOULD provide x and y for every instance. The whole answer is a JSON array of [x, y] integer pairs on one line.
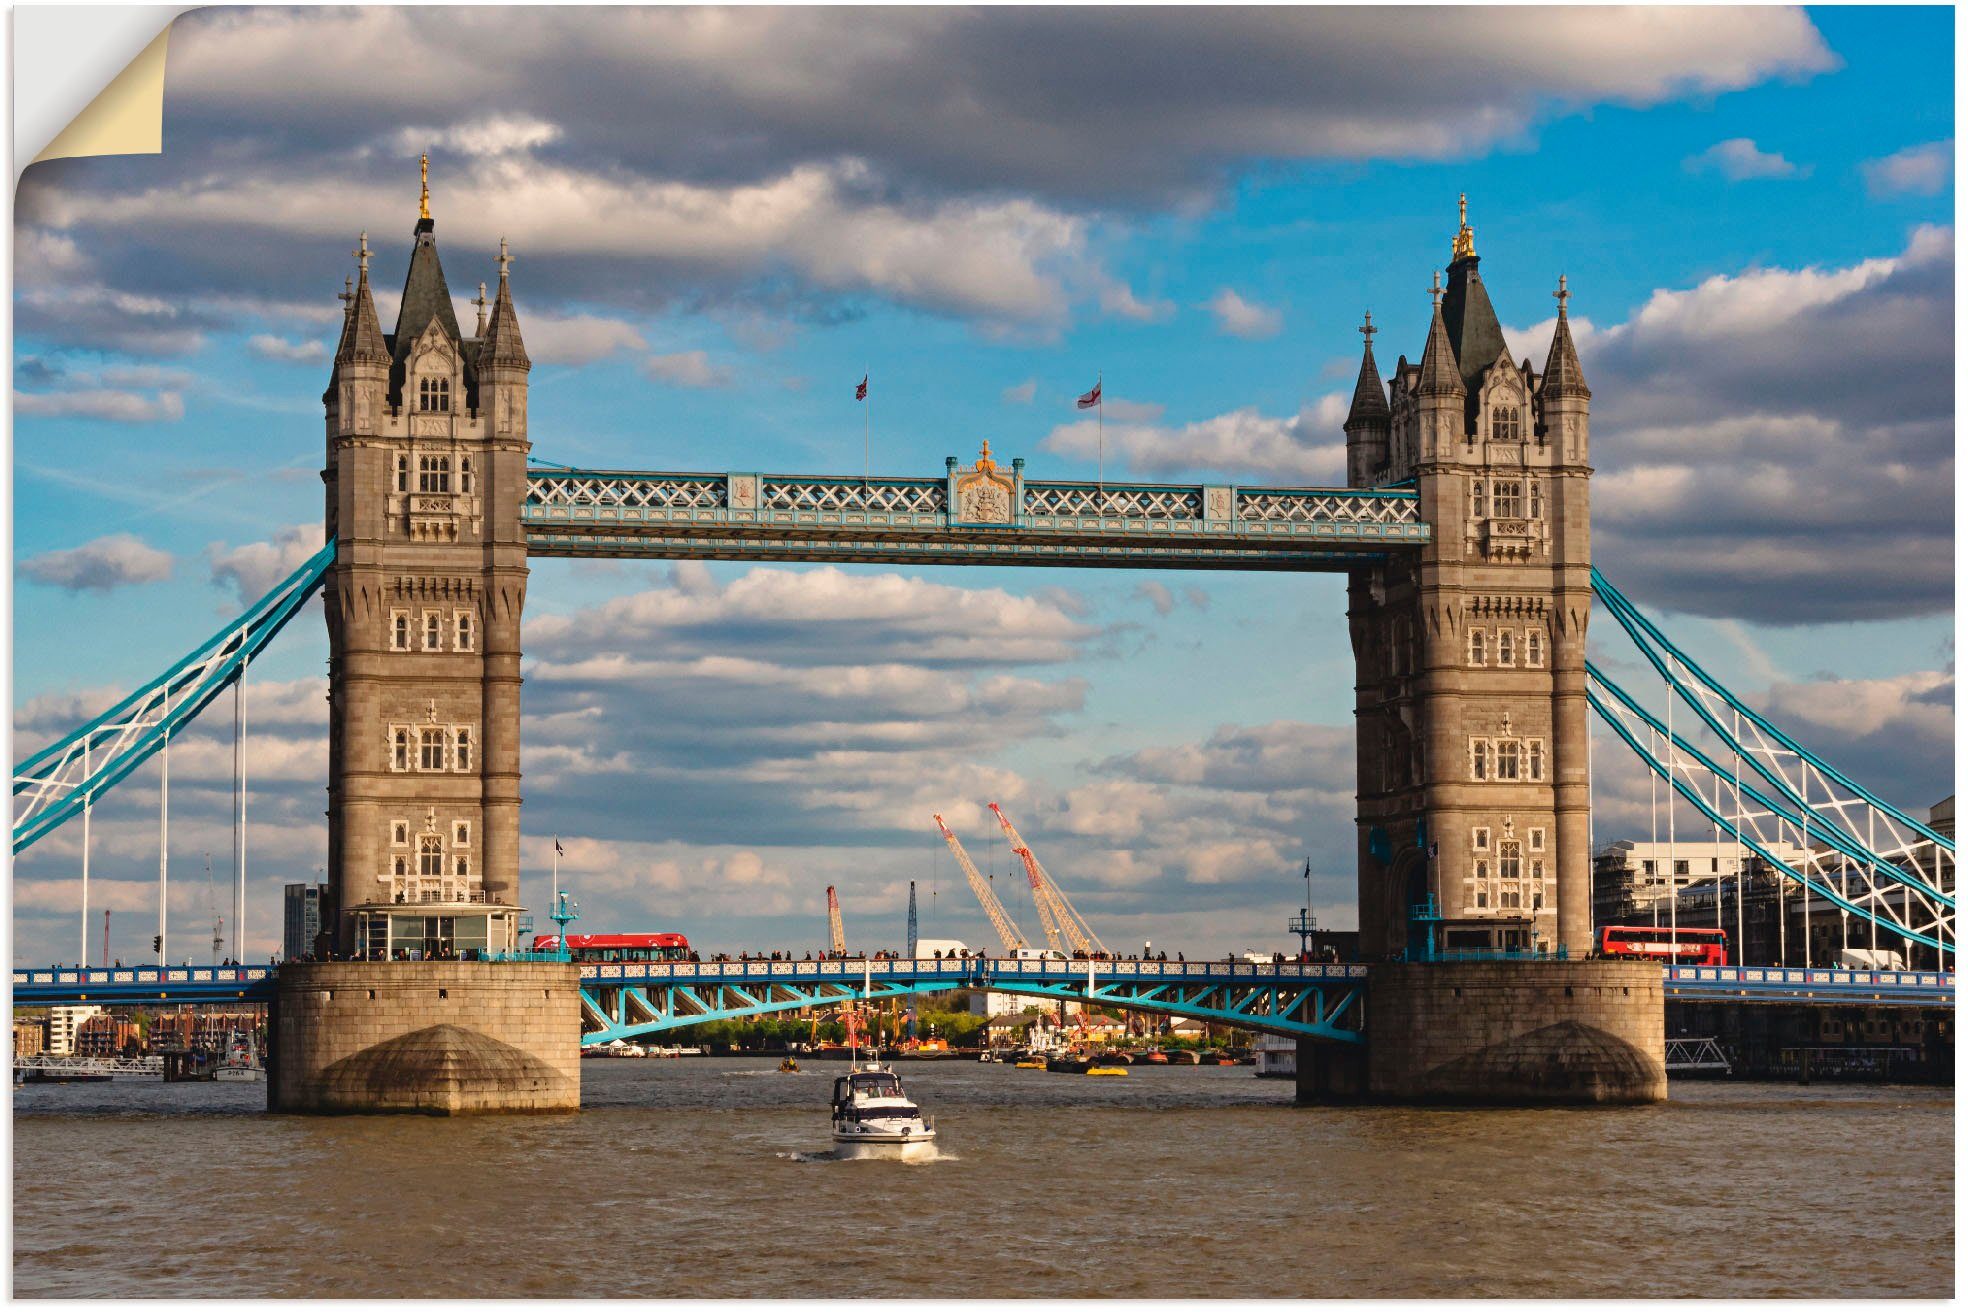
[[931, 1158]]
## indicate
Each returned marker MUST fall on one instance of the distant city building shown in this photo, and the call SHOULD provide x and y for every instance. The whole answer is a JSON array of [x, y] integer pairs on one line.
[[306, 906], [63, 1023], [1631, 878], [107, 1036], [30, 1036], [194, 1028]]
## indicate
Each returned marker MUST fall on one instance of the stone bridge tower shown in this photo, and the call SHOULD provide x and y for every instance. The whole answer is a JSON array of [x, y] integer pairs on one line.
[[1474, 792], [426, 471]]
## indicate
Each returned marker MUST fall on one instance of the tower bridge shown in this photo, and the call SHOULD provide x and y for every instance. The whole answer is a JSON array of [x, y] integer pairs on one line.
[[1464, 532]]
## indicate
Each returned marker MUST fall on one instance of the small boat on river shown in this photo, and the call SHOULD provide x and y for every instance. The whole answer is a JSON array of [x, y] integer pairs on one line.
[[873, 1117]]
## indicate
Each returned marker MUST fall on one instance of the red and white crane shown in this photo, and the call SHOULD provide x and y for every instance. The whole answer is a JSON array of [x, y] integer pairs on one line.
[[1054, 908], [1001, 921], [836, 932]]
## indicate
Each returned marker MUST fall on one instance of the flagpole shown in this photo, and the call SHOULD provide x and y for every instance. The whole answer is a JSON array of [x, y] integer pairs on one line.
[[1100, 425], [554, 904], [867, 428]]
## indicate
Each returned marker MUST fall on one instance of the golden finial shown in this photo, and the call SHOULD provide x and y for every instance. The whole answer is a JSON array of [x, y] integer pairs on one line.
[[984, 462], [424, 171], [1465, 241]]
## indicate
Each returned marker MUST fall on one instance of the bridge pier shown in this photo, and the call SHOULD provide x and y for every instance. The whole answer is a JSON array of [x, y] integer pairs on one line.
[[1512, 1032], [441, 1037]]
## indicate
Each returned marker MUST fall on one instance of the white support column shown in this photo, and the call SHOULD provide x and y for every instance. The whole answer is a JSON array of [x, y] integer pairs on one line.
[[87, 798], [239, 814], [164, 843]]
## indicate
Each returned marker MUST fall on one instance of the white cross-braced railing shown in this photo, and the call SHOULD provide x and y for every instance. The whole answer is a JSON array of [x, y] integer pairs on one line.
[[1121, 499], [915, 496], [1808, 823], [56, 783]]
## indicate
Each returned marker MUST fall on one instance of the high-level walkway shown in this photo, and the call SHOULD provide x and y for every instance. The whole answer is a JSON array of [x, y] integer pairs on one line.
[[1304, 1000]]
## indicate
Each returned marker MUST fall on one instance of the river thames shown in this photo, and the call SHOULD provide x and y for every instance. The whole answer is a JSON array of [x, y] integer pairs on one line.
[[712, 1177]]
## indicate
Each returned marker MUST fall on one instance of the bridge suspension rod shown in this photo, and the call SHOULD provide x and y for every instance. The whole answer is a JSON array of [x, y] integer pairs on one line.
[[58, 782]]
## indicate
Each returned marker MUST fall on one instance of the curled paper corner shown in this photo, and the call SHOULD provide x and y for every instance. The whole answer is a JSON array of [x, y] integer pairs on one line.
[[126, 117]]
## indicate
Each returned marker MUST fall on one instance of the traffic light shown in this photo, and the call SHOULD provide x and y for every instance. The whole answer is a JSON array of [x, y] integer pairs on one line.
[[157, 943]]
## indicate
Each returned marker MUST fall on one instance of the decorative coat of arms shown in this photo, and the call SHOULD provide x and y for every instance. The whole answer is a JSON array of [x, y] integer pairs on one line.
[[983, 494]]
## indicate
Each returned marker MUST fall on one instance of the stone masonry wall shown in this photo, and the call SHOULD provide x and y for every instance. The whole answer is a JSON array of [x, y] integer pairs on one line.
[[1516, 1032], [441, 1037]]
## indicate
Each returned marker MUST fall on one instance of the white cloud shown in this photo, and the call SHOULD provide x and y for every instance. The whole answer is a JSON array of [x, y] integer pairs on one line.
[[1020, 393], [1306, 448], [504, 135], [1739, 159], [269, 347], [687, 369], [252, 569], [103, 565], [1915, 171], [102, 403], [1247, 319], [578, 339]]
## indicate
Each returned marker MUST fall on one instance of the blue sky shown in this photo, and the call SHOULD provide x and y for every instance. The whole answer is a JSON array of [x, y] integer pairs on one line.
[[984, 211]]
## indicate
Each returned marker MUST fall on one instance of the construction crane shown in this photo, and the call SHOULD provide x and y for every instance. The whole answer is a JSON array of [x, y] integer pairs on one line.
[[1047, 893], [994, 910], [836, 934]]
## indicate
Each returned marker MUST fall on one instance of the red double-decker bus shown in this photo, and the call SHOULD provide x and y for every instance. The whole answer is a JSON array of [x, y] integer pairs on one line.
[[1683, 945], [617, 947]]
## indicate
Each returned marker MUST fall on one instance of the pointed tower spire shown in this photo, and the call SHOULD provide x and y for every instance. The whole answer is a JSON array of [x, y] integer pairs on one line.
[[362, 339], [1439, 376], [1562, 375], [481, 303], [1369, 394], [502, 344]]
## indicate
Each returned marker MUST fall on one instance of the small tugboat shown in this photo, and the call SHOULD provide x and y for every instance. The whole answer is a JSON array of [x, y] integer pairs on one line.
[[242, 1062], [873, 1117]]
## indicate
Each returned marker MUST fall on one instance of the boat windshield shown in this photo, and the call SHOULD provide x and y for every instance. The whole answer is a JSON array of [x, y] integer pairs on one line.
[[891, 1112], [881, 1085]]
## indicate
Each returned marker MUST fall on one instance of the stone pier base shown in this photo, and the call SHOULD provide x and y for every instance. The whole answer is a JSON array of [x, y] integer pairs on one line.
[[440, 1037], [1514, 1032]]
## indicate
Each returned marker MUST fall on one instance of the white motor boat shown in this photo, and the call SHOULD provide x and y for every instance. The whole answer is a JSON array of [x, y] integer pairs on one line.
[[873, 1117], [242, 1062]]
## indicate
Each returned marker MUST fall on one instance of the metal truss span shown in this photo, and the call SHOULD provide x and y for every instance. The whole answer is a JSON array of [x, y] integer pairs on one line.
[[1809, 823], [981, 515], [1312, 1001], [54, 784]]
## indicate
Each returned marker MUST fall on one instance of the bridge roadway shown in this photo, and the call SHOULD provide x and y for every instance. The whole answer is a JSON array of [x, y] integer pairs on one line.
[[1312, 1000]]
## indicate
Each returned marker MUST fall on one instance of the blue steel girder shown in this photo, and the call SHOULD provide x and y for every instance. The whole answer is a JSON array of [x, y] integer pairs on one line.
[[749, 516], [1221, 1004], [777, 998]]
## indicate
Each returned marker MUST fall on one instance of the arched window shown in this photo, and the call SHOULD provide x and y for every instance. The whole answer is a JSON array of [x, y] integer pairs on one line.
[[1534, 750], [1537, 499], [433, 631], [1479, 759], [433, 473], [401, 756], [1506, 648], [434, 395], [403, 473], [401, 868], [1507, 499], [1478, 648], [462, 868], [430, 749], [400, 631], [1506, 424], [1510, 859], [1507, 757], [464, 749], [464, 630], [1533, 648], [430, 856], [1477, 498], [465, 475]]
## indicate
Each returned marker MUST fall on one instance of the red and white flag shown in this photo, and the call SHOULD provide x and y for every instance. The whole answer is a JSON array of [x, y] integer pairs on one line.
[[1091, 399], [861, 389]]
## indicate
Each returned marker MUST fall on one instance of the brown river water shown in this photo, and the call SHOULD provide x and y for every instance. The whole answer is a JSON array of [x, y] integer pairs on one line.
[[712, 1177]]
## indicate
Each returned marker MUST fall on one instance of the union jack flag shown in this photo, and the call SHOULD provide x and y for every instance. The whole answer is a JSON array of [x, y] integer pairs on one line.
[[1091, 399], [861, 389]]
